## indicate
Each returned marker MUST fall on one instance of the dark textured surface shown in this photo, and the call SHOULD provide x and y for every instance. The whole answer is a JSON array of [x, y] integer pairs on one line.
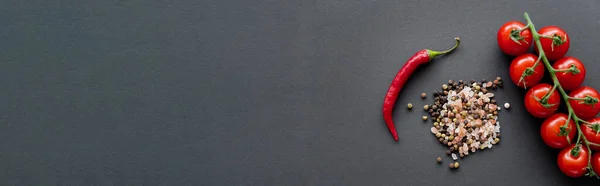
[[258, 92]]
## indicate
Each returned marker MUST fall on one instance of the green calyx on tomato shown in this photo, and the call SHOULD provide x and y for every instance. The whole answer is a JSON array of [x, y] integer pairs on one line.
[[596, 128], [515, 35], [558, 40]]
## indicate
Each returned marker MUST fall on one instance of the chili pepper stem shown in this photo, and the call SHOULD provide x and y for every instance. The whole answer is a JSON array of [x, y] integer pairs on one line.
[[433, 53], [564, 95]]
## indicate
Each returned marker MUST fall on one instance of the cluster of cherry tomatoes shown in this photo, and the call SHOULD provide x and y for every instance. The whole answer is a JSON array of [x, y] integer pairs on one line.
[[541, 101]]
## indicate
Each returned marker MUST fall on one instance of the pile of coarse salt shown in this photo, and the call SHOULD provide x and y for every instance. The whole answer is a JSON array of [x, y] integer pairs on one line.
[[465, 116]]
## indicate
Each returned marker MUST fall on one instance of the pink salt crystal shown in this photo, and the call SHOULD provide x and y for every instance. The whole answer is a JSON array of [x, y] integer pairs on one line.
[[492, 106], [478, 122], [462, 132], [489, 84], [434, 130]]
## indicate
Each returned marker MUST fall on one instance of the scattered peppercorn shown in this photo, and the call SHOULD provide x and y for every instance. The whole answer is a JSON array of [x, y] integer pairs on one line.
[[439, 159], [423, 95], [456, 165], [424, 118], [409, 106], [425, 107], [451, 165]]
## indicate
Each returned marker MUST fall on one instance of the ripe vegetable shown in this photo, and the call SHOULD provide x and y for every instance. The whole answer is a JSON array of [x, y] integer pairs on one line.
[[555, 133], [591, 131], [596, 161], [555, 42], [523, 73], [513, 38], [540, 103], [570, 72], [416, 60], [584, 101], [572, 161]]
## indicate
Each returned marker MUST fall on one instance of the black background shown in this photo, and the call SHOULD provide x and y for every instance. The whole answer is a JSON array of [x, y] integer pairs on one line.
[[259, 92]]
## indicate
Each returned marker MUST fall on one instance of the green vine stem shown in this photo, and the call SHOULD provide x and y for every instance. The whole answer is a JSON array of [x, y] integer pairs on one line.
[[565, 96]]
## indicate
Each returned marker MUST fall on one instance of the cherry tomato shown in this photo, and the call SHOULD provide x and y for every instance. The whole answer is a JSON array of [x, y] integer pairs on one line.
[[557, 47], [596, 162], [582, 109], [569, 80], [523, 63], [591, 135], [534, 107], [573, 165], [507, 44], [551, 128]]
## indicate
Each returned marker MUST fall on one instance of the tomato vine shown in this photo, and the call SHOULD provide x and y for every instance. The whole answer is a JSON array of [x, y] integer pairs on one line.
[[572, 116]]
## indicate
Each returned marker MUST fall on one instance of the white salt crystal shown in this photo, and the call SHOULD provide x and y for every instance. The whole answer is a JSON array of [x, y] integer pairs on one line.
[[454, 156]]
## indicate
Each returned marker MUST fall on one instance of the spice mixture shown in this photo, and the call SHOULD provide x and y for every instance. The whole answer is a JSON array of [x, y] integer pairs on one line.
[[465, 116]]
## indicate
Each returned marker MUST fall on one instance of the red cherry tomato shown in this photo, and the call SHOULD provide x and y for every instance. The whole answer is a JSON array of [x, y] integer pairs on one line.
[[596, 162], [507, 44], [591, 135], [551, 128], [569, 80], [573, 165], [582, 109], [523, 63], [554, 48], [534, 107]]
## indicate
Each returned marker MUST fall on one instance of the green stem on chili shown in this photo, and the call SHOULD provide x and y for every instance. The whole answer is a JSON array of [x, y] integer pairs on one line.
[[564, 95]]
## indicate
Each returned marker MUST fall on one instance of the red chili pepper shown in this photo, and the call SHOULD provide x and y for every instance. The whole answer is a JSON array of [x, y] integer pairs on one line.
[[419, 58]]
